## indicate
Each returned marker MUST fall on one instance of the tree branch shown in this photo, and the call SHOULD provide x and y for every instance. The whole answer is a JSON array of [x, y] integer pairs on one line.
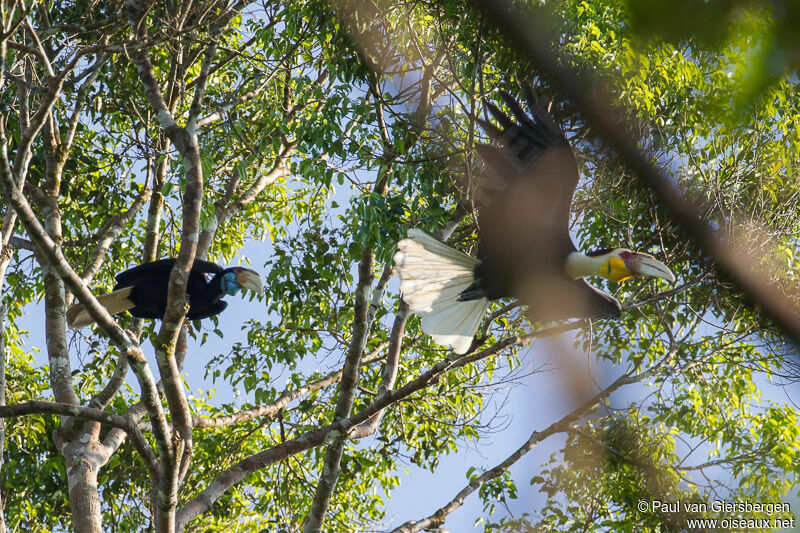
[[222, 212], [283, 400], [533, 37], [225, 108], [345, 427], [36, 407], [115, 227], [40, 51], [55, 258], [3, 387], [396, 337], [438, 518], [347, 389]]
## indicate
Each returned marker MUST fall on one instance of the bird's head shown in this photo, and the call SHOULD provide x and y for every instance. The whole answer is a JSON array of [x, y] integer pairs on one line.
[[620, 264], [237, 278]]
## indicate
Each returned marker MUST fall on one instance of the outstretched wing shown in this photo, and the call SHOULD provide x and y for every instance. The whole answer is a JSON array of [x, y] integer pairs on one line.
[[159, 269], [532, 157], [523, 216]]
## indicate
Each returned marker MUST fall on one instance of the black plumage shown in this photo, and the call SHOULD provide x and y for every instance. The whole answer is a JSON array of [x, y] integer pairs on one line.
[[143, 291], [525, 248], [150, 282], [530, 178]]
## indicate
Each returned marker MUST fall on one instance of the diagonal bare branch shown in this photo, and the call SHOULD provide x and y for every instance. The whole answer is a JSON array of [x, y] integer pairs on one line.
[[438, 518], [283, 400], [345, 427], [534, 37]]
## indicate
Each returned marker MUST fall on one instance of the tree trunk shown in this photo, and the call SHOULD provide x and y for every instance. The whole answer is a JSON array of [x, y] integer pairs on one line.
[[84, 461]]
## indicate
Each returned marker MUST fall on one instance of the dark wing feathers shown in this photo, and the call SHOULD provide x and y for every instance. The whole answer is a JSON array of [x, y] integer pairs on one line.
[[541, 115], [132, 275], [525, 200], [533, 149], [493, 131], [498, 165], [161, 267], [206, 266], [538, 127], [531, 135], [558, 298], [214, 309], [519, 113], [505, 122], [600, 304]]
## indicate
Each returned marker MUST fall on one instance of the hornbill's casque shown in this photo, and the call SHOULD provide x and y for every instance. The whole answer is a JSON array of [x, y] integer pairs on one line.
[[525, 249], [142, 290]]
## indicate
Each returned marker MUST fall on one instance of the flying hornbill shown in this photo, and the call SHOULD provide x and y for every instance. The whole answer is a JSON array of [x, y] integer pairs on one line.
[[142, 290], [525, 249]]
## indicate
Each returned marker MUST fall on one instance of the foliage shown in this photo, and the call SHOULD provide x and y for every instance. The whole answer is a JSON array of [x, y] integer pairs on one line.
[[373, 105]]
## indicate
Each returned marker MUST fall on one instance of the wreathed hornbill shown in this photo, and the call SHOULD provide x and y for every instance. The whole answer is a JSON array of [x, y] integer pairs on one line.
[[142, 290], [525, 250]]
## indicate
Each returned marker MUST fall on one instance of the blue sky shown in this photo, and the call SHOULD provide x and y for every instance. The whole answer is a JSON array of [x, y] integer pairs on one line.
[[538, 400]]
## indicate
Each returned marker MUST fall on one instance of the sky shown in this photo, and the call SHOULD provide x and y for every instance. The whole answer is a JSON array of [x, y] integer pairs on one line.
[[538, 400], [530, 406]]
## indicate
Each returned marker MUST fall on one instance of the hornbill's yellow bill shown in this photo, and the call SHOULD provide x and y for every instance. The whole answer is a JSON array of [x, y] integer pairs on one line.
[[525, 249], [618, 265]]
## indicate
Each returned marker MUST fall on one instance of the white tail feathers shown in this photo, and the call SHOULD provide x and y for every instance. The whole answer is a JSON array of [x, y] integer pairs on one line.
[[114, 302], [432, 276]]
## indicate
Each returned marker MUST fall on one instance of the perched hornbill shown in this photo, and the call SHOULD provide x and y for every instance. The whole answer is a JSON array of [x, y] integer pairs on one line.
[[525, 249], [142, 290]]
